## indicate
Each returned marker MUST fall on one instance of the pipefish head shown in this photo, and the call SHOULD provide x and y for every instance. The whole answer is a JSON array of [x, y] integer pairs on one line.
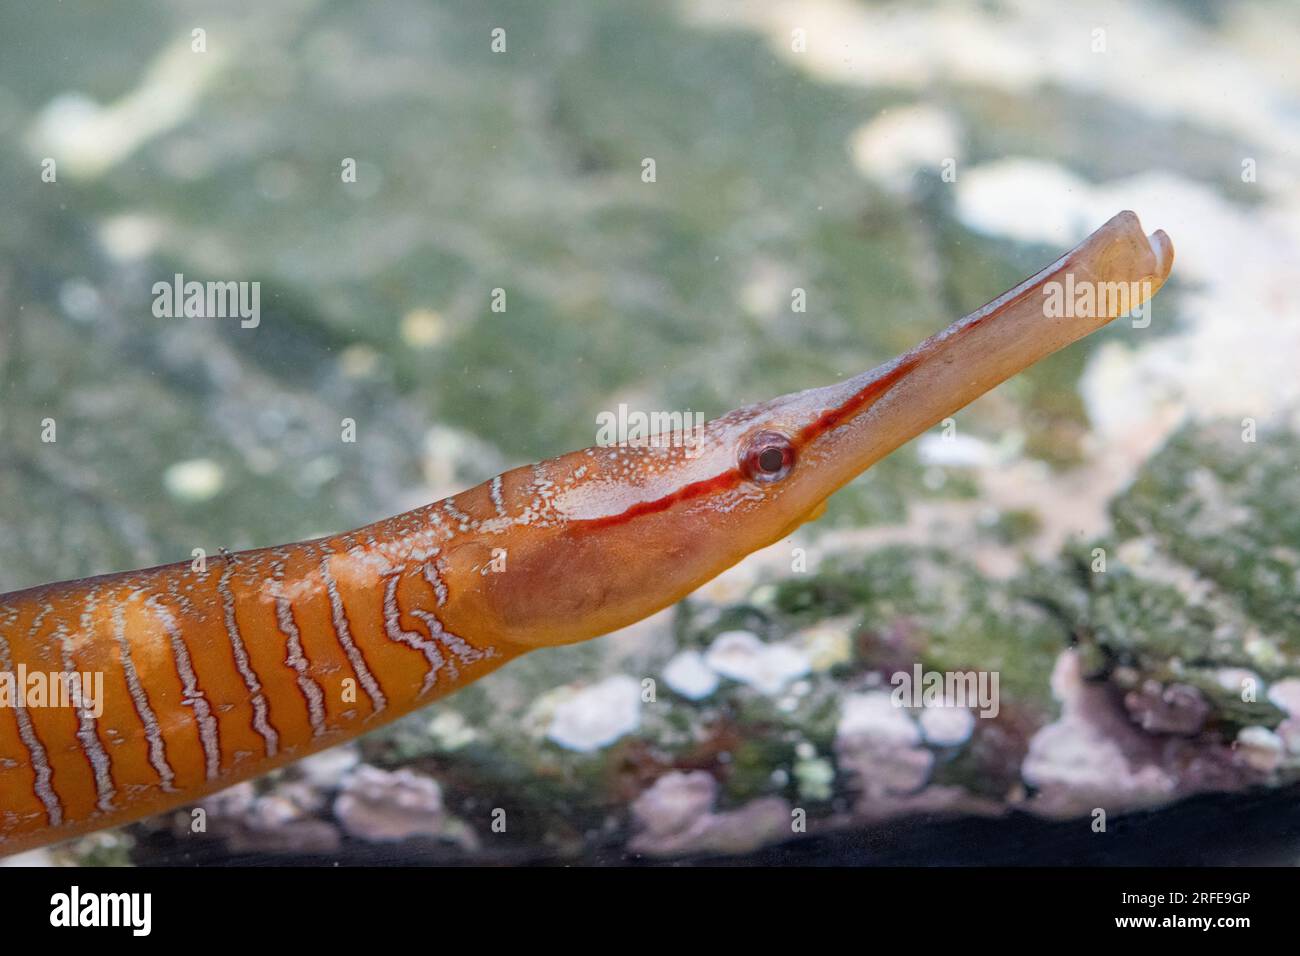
[[633, 528], [637, 527]]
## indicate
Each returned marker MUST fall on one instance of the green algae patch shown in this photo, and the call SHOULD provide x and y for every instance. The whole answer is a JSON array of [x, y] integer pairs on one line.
[[1225, 508]]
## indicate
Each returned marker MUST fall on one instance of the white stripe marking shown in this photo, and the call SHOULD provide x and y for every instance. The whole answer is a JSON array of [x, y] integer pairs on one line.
[[466, 522], [435, 581], [40, 763], [100, 764], [152, 733], [297, 659], [192, 695], [495, 490], [412, 639], [260, 723], [460, 648], [344, 635]]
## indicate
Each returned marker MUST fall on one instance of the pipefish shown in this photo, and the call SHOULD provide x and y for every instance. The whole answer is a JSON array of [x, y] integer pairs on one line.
[[216, 673]]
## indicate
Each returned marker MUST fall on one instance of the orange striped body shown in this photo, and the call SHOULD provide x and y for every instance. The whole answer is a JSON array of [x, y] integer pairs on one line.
[[214, 675]]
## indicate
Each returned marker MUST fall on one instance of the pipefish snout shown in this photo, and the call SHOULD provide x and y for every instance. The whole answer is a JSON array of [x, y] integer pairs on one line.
[[217, 673]]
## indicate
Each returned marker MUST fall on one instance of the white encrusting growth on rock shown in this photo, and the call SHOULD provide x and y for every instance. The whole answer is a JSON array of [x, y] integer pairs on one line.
[[1261, 748], [596, 716], [690, 676], [386, 806], [676, 815], [946, 726], [768, 668], [1090, 756], [881, 745]]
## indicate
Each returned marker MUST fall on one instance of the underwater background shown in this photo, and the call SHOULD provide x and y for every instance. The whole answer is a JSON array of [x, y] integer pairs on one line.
[[899, 164]]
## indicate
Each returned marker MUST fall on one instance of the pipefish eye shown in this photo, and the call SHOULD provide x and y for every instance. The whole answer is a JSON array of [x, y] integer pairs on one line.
[[766, 457]]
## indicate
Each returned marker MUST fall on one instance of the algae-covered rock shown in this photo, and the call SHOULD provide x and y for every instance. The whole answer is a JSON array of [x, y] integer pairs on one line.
[[1196, 594], [882, 683], [1221, 502]]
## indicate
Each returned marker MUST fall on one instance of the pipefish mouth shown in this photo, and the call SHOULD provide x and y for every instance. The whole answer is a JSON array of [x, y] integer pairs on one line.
[[216, 672]]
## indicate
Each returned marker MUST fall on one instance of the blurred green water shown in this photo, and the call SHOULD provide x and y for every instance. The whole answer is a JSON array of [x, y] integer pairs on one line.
[[476, 171]]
